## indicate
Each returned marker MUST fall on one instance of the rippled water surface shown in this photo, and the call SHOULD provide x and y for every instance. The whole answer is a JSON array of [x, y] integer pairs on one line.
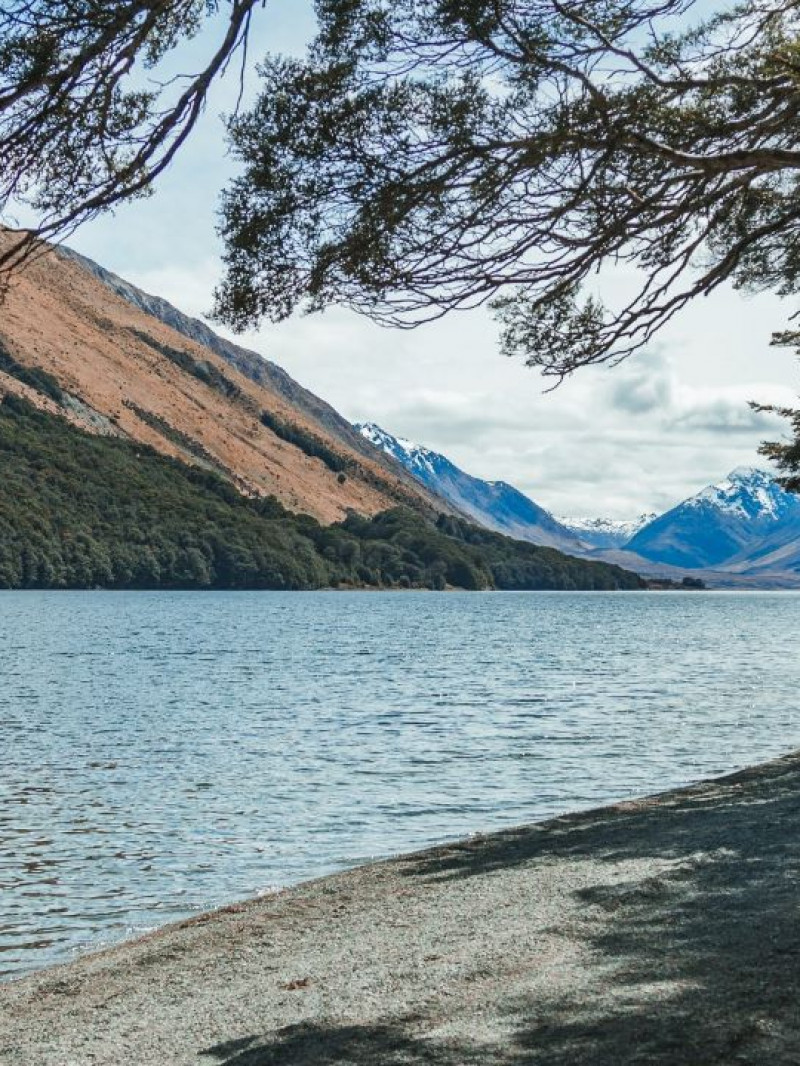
[[164, 753]]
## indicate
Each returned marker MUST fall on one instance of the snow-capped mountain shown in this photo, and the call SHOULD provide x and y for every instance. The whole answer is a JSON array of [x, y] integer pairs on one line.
[[606, 532], [727, 524], [744, 529], [493, 504]]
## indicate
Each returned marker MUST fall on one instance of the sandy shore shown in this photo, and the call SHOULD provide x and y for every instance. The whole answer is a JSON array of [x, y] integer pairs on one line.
[[661, 931]]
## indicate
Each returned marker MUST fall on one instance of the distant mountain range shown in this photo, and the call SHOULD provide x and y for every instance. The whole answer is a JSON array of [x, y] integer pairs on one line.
[[741, 523], [494, 504], [606, 532], [744, 529]]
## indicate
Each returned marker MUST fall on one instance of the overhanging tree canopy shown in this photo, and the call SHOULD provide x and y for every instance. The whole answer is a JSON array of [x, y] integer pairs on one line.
[[78, 132], [429, 155]]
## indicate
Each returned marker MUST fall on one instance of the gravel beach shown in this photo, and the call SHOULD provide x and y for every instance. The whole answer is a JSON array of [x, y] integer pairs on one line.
[[665, 930]]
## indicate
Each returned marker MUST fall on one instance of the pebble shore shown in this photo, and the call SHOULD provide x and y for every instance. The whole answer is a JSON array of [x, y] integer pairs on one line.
[[665, 930]]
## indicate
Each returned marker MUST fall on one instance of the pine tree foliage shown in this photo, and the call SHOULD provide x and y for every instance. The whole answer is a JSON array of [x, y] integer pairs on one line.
[[785, 454], [85, 119]]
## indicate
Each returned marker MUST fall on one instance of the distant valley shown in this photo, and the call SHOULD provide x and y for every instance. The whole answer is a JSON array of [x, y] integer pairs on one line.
[[742, 531]]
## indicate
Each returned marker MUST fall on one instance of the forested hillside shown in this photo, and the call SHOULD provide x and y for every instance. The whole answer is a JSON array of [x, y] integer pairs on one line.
[[80, 511]]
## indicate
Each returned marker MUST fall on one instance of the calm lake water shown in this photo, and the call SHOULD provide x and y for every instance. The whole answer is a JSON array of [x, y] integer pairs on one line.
[[165, 753]]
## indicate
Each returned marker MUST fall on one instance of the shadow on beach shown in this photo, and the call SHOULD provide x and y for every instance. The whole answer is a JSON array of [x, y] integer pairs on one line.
[[697, 966]]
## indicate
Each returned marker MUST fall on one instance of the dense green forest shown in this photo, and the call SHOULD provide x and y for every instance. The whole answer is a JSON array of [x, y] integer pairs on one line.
[[83, 511]]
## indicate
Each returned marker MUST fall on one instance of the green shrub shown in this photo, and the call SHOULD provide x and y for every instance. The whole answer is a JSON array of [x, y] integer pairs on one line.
[[33, 376], [306, 441]]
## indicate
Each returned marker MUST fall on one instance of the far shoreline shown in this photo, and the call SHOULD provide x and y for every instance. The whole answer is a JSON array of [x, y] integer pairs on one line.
[[658, 589]]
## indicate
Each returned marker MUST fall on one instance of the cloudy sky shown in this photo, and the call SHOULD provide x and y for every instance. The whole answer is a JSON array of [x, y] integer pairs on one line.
[[611, 443]]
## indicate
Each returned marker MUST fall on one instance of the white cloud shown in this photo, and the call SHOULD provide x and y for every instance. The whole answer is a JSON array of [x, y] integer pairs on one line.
[[609, 441], [645, 385], [615, 442]]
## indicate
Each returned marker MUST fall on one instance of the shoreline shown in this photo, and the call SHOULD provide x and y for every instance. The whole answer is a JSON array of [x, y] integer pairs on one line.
[[659, 930]]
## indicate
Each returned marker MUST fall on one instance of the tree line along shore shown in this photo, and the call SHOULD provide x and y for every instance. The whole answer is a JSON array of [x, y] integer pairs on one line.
[[80, 510]]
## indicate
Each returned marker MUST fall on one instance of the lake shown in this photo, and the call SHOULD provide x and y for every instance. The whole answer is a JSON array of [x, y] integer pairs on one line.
[[164, 753]]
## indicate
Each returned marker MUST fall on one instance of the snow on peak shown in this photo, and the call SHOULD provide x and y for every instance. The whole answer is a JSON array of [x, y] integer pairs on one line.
[[627, 526], [373, 432], [381, 439], [406, 451], [747, 492]]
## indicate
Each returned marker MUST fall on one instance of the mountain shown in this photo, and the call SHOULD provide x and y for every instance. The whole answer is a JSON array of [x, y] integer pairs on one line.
[[606, 533], [742, 532], [129, 365], [777, 552], [139, 450], [493, 504], [745, 521]]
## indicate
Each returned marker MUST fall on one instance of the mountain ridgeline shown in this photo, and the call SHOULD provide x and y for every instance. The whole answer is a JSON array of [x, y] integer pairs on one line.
[[494, 504], [82, 510], [744, 530]]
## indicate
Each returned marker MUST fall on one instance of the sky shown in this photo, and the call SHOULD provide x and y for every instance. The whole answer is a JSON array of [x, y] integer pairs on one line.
[[607, 443]]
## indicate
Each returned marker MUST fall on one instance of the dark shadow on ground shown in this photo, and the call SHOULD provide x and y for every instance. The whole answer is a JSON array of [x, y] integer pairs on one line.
[[678, 824], [697, 967], [330, 1046]]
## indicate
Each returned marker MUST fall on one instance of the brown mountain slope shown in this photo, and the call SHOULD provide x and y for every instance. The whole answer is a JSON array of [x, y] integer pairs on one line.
[[250, 363], [126, 372]]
